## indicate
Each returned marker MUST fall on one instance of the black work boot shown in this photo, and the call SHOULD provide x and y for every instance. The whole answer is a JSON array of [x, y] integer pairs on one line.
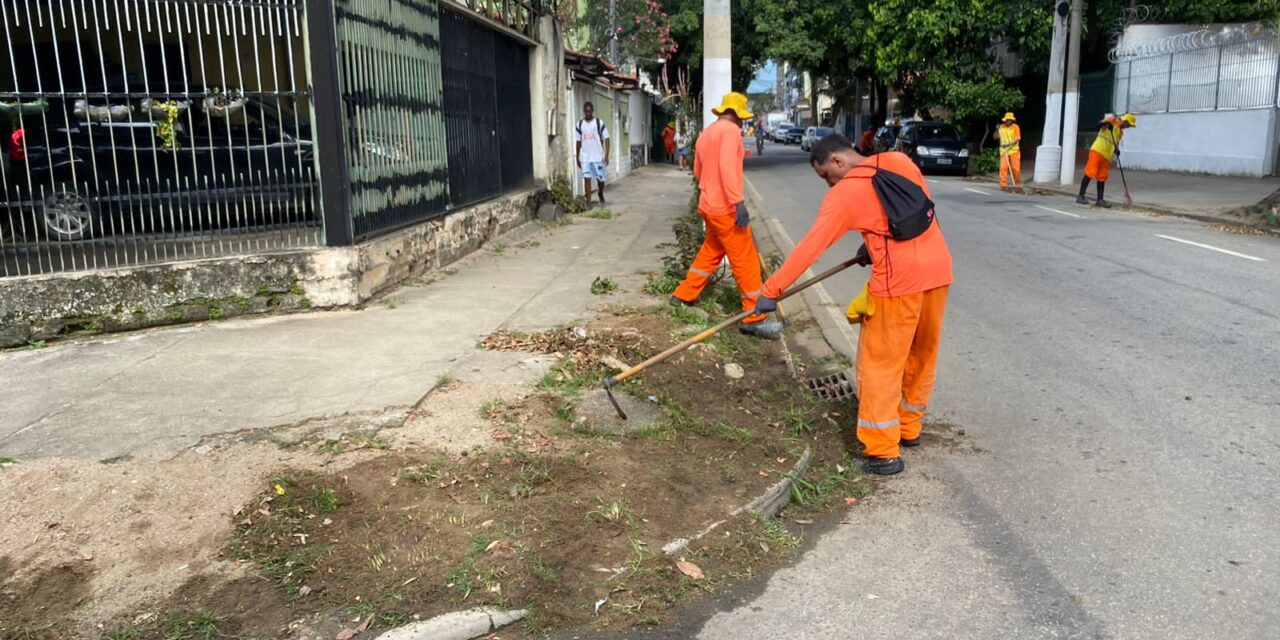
[[674, 301], [1102, 202], [1084, 186], [767, 329], [910, 442], [883, 466]]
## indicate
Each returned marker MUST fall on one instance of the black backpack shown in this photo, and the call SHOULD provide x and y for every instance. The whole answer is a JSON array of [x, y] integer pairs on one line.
[[599, 129], [908, 209]]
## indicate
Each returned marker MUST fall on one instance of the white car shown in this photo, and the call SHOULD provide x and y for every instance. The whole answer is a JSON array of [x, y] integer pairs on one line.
[[812, 135], [780, 131]]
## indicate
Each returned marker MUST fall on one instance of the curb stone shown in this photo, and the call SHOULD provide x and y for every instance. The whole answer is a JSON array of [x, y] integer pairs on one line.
[[767, 504], [458, 625]]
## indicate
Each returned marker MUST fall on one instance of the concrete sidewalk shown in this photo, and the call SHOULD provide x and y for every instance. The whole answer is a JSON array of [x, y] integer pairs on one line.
[[1182, 194], [156, 393]]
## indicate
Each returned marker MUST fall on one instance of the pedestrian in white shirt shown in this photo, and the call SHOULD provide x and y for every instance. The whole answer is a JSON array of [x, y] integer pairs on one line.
[[592, 137]]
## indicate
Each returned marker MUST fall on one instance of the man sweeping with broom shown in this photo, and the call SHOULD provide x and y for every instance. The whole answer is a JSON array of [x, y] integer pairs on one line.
[[900, 310], [1105, 147]]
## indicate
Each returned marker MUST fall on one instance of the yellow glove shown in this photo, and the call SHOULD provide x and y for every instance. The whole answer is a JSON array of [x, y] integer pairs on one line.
[[862, 306]]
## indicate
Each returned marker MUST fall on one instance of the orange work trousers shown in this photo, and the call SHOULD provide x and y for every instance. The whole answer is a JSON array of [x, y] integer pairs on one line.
[[897, 364], [724, 238], [1098, 167], [1011, 163]]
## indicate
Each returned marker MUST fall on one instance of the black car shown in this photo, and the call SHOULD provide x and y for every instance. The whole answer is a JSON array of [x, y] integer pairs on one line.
[[934, 146], [794, 135], [886, 138], [77, 169]]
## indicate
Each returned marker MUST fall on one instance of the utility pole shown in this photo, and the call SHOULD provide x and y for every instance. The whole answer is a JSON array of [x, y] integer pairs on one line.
[[1049, 153], [1071, 100], [717, 55], [613, 32]]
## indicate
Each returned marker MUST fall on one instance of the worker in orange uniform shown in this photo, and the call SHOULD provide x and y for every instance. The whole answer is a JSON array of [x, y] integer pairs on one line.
[[1105, 147], [1010, 136], [669, 142], [717, 166], [898, 341]]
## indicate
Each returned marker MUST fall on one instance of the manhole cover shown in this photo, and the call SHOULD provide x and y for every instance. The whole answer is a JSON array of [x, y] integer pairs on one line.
[[837, 386]]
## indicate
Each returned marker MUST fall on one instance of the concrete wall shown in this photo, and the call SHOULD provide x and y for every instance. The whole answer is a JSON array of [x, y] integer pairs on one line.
[[1229, 143], [552, 143], [42, 307]]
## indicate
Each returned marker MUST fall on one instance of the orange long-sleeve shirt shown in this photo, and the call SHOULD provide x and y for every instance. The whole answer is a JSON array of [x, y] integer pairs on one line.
[[898, 268], [717, 164]]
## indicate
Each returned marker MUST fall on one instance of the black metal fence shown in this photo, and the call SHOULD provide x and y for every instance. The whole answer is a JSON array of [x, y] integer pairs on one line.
[[137, 131], [151, 130], [486, 98]]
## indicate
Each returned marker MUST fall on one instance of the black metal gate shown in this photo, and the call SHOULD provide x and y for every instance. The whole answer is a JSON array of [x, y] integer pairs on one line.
[[486, 110]]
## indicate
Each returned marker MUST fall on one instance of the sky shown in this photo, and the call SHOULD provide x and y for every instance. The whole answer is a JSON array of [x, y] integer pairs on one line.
[[765, 79]]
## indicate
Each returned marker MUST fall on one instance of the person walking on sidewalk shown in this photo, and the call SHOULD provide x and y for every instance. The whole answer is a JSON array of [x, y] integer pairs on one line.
[[717, 166], [682, 147], [1105, 147], [904, 300], [669, 142], [1010, 136], [592, 137]]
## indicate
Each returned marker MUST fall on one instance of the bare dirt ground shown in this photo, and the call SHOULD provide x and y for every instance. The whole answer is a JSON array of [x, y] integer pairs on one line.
[[489, 492]]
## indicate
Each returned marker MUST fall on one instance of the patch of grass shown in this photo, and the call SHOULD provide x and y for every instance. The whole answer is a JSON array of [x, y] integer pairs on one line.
[[565, 412], [603, 286], [555, 223], [124, 632], [200, 625], [602, 213], [215, 312], [498, 248], [685, 315], [529, 244], [6, 461], [451, 272], [661, 285], [463, 578], [324, 501], [332, 447], [138, 310], [296, 289], [37, 344], [730, 433], [305, 303], [429, 473], [799, 421], [772, 532], [175, 315], [445, 380], [832, 358], [42, 632], [828, 484]]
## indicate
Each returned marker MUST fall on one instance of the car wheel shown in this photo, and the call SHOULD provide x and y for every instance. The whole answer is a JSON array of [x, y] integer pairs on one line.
[[67, 214]]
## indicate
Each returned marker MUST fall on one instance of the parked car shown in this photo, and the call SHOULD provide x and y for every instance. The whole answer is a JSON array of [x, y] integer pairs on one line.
[[812, 135], [934, 146], [780, 132], [84, 169], [794, 136], [886, 138]]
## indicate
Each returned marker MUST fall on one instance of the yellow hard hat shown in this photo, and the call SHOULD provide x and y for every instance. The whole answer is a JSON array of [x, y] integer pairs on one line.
[[1130, 119], [736, 102], [1009, 116]]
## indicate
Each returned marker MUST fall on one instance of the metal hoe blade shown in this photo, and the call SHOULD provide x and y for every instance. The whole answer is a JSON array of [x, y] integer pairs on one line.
[[608, 390]]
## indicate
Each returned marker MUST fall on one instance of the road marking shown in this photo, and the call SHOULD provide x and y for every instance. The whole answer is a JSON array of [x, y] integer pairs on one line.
[[981, 193], [1065, 213], [836, 311], [1213, 248]]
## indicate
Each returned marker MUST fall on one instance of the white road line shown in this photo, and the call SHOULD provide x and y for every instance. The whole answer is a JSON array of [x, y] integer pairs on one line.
[[836, 311], [1213, 248], [1065, 213], [981, 193]]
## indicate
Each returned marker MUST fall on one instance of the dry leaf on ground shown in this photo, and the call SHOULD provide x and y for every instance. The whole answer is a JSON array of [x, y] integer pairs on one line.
[[690, 569]]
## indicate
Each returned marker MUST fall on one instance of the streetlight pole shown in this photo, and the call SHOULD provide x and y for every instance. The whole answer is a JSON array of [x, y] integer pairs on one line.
[[717, 55], [1071, 100], [1049, 153]]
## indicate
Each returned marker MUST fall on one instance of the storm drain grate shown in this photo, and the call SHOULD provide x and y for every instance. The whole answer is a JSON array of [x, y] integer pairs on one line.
[[836, 386]]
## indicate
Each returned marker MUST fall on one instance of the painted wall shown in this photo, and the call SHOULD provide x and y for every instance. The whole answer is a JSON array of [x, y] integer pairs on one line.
[[1229, 143]]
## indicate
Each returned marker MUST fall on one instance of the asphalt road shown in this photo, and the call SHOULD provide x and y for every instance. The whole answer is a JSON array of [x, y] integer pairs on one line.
[[1119, 392]]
